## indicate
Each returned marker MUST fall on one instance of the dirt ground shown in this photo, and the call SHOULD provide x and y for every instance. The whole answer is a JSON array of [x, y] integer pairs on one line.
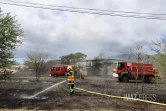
[[14, 93]]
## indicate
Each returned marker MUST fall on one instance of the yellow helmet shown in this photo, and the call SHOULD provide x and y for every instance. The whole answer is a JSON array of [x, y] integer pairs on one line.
[[69, 68]]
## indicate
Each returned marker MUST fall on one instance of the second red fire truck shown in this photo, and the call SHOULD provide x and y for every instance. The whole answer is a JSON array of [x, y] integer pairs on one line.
[[126, 71]]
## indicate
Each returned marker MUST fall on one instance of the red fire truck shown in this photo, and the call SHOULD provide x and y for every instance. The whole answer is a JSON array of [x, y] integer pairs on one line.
[[59, 70], [126, 71]]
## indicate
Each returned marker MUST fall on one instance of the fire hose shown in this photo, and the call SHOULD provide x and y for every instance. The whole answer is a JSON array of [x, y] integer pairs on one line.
[[119, 97]]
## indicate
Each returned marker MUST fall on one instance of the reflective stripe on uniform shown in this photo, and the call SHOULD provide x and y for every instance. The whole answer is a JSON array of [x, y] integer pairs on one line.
[[70, 82]]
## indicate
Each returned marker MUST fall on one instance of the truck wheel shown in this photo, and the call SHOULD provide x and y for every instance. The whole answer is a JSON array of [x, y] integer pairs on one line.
[[125, 79], [120, 79], [63, 75], [55, 75], [150, 79]]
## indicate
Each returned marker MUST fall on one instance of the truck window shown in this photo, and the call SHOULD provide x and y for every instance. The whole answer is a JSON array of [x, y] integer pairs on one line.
[[58, 68], [52, 68], [120, 66], [116, 65]]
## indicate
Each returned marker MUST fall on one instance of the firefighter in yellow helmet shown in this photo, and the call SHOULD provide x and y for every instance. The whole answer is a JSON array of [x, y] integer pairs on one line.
[[70, 74]]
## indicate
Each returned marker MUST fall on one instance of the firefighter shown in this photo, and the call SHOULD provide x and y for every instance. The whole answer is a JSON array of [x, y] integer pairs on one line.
[[70, 74]]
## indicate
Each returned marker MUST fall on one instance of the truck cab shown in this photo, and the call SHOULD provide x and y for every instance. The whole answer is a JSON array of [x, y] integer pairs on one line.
[[121, 72], [120, 67]]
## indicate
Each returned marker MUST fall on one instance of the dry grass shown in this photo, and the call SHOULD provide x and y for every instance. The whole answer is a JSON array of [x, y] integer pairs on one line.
[[58, 98]]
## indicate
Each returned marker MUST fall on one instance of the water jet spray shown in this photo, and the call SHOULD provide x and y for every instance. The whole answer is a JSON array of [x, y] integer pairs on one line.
[[38, 93]]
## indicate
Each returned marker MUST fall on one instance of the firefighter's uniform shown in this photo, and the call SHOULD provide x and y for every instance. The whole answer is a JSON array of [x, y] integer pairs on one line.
[[70, 74]]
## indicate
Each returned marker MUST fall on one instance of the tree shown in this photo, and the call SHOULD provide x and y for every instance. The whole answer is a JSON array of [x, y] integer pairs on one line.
[[73, 58], [10, 36], [159, 58], [49, 63], [139, 56], [28, 64], [159, 48], [37, 61], [137, 53]]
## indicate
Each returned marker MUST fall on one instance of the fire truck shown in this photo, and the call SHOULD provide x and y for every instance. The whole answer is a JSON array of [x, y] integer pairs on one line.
[[125, 71], [59, 70]]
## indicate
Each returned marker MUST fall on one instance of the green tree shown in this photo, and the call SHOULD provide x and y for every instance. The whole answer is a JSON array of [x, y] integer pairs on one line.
[[50, 63], [73, 58], [159, 47], [10, 36], [29, 64]]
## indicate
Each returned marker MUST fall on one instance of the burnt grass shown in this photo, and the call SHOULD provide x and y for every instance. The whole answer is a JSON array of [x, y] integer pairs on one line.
[[13, 93]]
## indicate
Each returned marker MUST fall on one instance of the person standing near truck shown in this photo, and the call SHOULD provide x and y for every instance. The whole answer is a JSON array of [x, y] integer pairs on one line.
[[70, 74]]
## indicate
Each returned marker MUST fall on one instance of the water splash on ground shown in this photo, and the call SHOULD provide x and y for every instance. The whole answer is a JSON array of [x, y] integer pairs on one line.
[[38, 93]]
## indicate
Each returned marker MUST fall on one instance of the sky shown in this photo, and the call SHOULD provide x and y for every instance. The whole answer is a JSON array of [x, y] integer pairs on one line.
[[60, 33]]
